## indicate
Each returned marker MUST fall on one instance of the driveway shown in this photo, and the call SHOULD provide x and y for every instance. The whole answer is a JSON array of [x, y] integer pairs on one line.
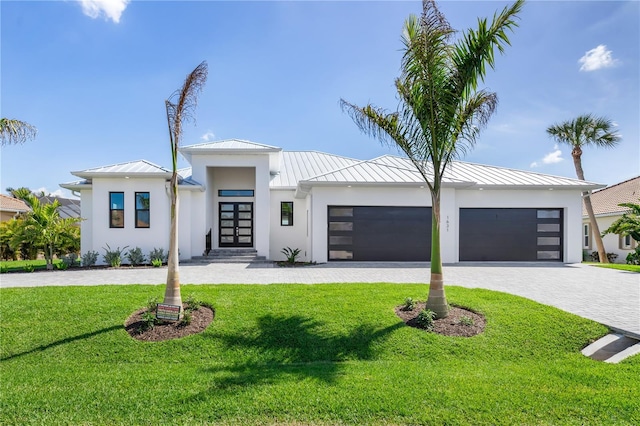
[[607, 296]]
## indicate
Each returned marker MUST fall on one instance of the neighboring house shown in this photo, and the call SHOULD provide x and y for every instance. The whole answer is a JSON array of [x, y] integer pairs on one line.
[[11, 207], [249, 195], [606, 209], [69, 207]]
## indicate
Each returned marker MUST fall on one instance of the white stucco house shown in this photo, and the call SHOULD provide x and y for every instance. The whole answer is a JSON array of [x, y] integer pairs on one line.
[[249, 195], [606, 208]]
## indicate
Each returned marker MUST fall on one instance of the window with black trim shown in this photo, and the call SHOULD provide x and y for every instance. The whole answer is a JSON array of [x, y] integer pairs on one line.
[[142, 210], [116, 209], [286, 213], [586, 236]]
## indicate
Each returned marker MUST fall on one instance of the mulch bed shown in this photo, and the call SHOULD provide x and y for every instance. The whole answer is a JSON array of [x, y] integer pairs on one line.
[[200, 320], [449, 326]]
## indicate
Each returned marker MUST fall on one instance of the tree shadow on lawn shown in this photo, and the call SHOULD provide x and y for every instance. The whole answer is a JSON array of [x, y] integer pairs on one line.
[[62, 342], [292, 348]]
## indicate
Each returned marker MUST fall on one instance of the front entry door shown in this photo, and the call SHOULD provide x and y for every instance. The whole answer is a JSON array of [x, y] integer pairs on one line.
[[236, 224]]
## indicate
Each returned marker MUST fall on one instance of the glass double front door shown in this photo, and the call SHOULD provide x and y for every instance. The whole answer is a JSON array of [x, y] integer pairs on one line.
[[235, 224]]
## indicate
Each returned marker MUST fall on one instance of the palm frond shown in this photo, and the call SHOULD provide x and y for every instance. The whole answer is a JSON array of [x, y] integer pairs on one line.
[[15, 131]]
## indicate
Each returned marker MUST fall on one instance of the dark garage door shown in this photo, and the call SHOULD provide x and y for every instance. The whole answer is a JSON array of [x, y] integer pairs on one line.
[[511, 235], [379, 233]]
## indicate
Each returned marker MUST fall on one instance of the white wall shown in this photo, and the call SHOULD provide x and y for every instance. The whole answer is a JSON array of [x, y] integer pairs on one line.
[[611, 241], [86, 226], [288, 236], [156, 236]]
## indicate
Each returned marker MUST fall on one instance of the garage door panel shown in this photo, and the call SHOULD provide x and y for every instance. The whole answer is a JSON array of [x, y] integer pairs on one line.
[[380, 233], [510, 234]]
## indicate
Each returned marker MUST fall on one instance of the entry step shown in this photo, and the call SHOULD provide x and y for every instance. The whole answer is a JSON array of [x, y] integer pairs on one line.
[[230, 256]]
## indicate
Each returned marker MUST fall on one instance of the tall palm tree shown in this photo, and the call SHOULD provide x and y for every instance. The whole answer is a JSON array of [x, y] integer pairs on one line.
[[186, 100], [440, 110], [586, 130], [15, 131]]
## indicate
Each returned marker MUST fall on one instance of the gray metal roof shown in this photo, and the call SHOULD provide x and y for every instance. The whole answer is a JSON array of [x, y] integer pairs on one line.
[[301, 165], [230, 145], [138, 168]]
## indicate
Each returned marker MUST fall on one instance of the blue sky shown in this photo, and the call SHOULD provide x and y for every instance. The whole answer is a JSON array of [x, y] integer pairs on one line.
[[93, 76]]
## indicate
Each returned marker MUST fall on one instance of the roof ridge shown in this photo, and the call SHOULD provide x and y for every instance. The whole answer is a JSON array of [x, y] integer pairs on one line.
[[323, 153], [123, 163], [617, 184], [231, 140]]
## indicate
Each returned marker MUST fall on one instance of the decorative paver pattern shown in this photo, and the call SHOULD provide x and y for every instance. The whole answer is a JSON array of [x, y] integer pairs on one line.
[[608, 296]]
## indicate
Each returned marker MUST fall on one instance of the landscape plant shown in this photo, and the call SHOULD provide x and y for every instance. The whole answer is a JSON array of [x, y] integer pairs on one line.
[[157, 255], [291, 254], [441, 110], [180, 108], [14, 131], [135, 257], [583, 131], [89, 258], [111, 257]]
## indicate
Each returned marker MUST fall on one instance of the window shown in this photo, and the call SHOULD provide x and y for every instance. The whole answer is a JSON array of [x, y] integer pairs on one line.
[[235, 193], [116, 209], [286, 213], [626, 242], [586, 236], [142, 210]]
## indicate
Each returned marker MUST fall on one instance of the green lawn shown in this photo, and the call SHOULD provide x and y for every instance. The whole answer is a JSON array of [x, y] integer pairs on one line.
[[19, 265], [303, 354], [621, 267]]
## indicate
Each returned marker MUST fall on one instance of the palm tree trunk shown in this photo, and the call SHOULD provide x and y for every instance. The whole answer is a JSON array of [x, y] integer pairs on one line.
[[576, 153], [437, 300], [172, 291]]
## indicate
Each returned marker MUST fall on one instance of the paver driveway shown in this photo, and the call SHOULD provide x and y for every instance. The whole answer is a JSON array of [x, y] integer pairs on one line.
[[608, 296]]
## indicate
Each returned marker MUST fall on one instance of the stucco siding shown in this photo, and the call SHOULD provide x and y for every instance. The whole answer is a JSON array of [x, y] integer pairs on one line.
[[294, 236], [611, 241]]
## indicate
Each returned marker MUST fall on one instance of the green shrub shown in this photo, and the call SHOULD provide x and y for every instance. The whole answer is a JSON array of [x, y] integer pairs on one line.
[[409, 304], [136, 257], [4, 269], [192, 303], [158, 255], [156, 263], [152, 304], [28, 267], [610, 256], [69, 260], [633, 258], [89, 258], [291, 254], [186, 318], [113, 257], [425, 319], [62, 266], [465, 320], [148, 320]]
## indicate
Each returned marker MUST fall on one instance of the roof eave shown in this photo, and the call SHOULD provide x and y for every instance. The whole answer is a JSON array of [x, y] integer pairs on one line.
[[106, 175]]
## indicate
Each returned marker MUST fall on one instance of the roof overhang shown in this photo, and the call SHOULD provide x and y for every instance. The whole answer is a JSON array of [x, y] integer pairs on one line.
[[123, 175]]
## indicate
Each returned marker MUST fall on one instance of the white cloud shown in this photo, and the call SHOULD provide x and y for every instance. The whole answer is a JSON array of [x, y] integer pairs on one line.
[[208, 137], [56, 193], [553, 157], [111, 9], [597, 58]]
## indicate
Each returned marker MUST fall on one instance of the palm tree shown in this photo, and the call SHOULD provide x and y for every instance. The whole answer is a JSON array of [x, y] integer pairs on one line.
[[178, 113], [628, 224], [440, 110], [582, 131], [15, 131]]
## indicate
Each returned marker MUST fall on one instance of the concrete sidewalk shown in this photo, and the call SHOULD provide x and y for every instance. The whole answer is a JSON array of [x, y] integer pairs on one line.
[[608, 296]]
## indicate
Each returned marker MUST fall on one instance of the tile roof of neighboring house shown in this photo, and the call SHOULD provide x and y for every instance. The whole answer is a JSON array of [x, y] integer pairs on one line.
[[605, 201], [14, 205]]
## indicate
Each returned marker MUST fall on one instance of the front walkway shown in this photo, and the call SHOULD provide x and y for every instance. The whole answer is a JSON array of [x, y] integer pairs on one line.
[[608, 296]]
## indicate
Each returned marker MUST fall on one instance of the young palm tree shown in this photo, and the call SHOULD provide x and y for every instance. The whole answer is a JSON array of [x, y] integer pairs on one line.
[[15, 131], [440, 110], [177, 114], [582, 131], [628, 224]]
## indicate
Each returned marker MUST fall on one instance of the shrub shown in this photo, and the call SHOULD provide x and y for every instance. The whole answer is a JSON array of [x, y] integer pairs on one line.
[[113, 257], [158, 254], [4, 269], [409, 304], [465, 320], [89, 258], [291, 254], [70, 260], [29, 267], [186, 318], [152, 304], [425, 319], [610, 256], [148, 320], [156, 263], [633, 258], [192, 303], [136, 257], [62, 266]]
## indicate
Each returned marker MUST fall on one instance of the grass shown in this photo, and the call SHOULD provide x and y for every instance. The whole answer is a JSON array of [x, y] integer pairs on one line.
[[619, 266], [19, 265], [303, 354]]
